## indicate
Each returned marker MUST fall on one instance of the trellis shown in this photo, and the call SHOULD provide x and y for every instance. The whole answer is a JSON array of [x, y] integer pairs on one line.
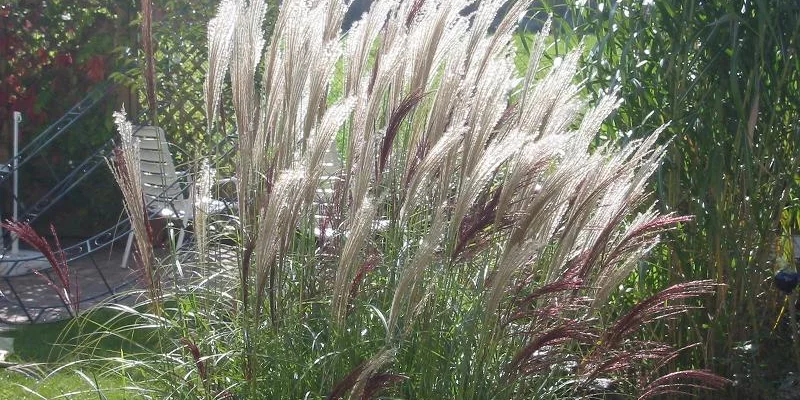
[[181, 106], [179, 36]]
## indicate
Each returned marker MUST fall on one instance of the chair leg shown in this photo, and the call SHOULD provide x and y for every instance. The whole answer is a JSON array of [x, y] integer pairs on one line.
[[182, 232], [127, 253]]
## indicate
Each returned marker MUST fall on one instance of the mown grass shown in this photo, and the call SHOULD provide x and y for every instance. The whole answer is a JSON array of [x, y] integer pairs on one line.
[[40, 349], [70, 385], [38, 343], [54, 342]]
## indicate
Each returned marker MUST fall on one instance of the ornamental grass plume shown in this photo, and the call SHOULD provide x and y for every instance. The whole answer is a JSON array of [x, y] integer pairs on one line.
[[126, 168], [471, 242], [66, 285]]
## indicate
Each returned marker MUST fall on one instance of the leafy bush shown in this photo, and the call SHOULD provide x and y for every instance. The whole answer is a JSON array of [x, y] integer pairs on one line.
[[725, 74]]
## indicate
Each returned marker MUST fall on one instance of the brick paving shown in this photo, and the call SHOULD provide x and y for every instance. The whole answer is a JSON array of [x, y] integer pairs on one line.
[[99, 275]]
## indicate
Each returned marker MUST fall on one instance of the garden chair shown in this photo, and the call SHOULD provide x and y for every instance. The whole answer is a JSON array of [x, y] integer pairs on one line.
[[168, 194], [161, 187]]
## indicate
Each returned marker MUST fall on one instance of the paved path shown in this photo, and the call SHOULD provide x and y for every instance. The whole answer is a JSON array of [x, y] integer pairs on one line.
[[98, 275]]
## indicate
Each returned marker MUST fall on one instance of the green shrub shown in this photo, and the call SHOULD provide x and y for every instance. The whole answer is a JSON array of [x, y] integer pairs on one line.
[[725, 74]]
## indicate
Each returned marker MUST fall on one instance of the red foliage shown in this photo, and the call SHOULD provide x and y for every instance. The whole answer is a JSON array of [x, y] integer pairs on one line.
[[64, 59], [96, 69], [48, 61], [42, 54]]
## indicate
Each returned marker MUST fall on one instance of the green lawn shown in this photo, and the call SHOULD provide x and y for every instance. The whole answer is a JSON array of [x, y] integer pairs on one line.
[[40, 349], [67, 385]]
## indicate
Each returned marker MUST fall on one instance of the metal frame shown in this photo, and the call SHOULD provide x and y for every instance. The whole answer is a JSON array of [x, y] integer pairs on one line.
[[88, 247]]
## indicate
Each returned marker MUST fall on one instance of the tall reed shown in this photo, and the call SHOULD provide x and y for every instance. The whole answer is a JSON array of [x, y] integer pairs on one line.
[[468, 243]]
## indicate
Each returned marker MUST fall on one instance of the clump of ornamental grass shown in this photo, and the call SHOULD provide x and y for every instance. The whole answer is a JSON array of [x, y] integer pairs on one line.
[[463, 245], [127, 170]]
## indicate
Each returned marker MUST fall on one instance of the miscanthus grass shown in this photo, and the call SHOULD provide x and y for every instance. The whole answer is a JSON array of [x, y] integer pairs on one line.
[[464, 245]]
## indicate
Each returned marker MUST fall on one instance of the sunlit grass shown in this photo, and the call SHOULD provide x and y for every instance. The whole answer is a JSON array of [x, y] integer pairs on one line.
[[466, 249], [40, 349], [67, 384]]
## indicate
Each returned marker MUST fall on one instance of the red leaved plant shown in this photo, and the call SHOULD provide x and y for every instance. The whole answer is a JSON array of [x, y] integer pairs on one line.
[[66, 286]]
